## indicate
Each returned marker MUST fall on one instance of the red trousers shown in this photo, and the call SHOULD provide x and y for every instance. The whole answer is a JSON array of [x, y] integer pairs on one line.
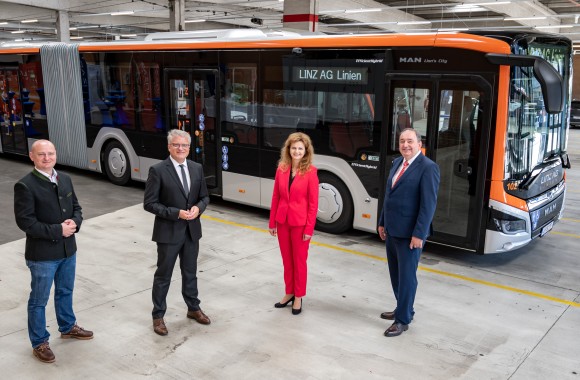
[[294, 255]]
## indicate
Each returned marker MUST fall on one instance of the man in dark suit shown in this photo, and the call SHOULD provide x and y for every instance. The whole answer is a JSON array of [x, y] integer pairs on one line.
[[47, 209], [405, 223], [177, 194]]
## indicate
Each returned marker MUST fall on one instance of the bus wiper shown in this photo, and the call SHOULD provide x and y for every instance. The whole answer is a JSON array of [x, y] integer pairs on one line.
[[525, 184]]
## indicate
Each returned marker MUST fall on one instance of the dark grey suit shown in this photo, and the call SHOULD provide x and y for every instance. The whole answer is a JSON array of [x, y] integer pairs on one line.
[[165, 197]]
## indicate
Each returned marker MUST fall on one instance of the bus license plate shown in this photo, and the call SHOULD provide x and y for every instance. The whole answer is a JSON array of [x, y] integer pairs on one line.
[[546, 228]]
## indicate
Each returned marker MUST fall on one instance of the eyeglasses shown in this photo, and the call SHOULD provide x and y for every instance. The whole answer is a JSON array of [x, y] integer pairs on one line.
[[183, 146]]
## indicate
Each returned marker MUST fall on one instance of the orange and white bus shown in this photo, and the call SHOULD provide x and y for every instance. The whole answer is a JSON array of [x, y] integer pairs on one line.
[[492, 109]]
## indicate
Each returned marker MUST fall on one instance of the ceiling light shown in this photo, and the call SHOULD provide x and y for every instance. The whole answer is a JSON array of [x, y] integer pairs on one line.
[[18, 31], [191, 21], [554, 26], [73, 28], [413, 22], [363, 10], [76, 38], [122, 13], [28, 21], [525, 18], [128, 35], [491, 3], [3, 23], [452, 29]]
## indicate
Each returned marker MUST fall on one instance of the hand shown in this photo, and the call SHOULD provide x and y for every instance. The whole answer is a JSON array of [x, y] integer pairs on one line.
[[68, 228], [306, 237], [273, 231], [416, 243], [194, 212], [184, 214], [382, 233]]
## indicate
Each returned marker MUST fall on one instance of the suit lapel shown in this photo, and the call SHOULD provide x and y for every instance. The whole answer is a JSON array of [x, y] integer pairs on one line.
[[409, 170], [171, 169]]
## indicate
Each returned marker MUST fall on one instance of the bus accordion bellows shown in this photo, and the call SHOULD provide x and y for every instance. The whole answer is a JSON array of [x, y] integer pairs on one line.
[[492, 109]]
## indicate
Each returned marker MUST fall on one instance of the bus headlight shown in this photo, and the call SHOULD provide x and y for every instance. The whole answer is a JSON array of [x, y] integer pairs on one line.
[[510, 227], [506, 223]]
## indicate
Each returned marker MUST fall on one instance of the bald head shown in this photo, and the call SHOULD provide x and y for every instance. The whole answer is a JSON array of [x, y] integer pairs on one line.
[[43, 154]]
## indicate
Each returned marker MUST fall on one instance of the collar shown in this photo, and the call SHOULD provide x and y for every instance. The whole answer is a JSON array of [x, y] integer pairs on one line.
[[176, 164], [53, 177]]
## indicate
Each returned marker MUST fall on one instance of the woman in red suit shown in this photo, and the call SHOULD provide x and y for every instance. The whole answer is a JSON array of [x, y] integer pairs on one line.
[[293, 214]]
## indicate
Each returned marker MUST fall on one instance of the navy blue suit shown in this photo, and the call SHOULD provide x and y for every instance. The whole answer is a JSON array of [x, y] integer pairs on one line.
[[408, 211]]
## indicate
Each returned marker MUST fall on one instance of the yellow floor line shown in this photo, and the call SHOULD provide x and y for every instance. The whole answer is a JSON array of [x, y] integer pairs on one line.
[[565, 234], [571, 220], [423, 268]]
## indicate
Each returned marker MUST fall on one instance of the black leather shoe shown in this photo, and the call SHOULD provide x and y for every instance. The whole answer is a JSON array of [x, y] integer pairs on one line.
[[297, 311], [279, 305], [396, 329], [390, 315]]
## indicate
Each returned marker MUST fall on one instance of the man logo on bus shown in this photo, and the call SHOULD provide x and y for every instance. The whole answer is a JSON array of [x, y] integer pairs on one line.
[[409, 60]]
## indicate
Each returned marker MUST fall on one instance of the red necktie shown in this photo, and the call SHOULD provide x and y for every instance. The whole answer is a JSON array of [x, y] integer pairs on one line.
[[405, 164]]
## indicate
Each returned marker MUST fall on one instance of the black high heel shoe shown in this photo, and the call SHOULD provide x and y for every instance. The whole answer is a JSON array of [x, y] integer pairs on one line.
[[298, 311], [279, 305]]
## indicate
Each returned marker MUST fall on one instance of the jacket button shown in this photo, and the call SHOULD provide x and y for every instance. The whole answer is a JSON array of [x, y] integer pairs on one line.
[[64, 210]]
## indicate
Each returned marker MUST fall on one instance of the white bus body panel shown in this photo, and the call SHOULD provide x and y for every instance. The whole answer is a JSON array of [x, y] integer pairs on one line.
[[108, 133], [241, 188], [496, 241]]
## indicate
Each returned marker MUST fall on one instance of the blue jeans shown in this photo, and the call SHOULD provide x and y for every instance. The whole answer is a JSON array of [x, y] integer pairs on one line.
[[43, 273]]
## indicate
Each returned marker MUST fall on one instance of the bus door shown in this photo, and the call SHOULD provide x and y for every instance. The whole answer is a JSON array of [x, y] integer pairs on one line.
[[12, 121], [193, 108], [448, 112]]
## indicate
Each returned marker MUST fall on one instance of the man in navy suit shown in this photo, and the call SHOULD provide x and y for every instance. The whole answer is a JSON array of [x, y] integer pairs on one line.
[[405, 223], [177, 194]]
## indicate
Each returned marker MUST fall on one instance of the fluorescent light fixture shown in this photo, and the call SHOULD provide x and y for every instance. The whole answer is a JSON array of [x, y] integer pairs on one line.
[[3, 23], [73, 28], [554, 26], [122, 13], [452, 29], [525, 18], [128, 35], [192, 21], [18, 31], [491, 3], [363, 10], [28, 21], [413, 22], [76, 38]]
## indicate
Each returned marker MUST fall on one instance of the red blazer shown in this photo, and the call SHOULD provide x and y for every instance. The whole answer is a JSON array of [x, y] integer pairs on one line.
[[298, 205]]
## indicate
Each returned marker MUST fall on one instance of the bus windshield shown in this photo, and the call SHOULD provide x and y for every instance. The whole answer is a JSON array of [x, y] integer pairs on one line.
[[533, 135]]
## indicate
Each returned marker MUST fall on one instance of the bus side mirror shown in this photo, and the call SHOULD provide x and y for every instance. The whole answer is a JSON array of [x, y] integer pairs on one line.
[[551, 83], [550, 80]]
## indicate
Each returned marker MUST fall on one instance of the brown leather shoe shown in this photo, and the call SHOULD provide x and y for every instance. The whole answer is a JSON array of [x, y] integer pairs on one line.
[[43, 353], [390, 315], [396, 329], [159, 326], [199, 316], [77, 332]]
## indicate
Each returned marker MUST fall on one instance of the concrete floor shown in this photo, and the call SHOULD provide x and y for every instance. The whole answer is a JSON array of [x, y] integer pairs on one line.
[[510, 316]]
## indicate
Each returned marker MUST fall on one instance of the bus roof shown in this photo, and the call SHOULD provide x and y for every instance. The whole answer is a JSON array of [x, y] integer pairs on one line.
[[258, 39]]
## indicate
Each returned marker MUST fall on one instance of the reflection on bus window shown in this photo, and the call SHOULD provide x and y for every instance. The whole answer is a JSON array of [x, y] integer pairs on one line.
[[410, 111], [239, 106], [533, 135], [348, 118]]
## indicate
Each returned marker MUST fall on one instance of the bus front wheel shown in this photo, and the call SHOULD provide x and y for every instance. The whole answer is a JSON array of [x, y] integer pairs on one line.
[[335, 208], [116, 163]]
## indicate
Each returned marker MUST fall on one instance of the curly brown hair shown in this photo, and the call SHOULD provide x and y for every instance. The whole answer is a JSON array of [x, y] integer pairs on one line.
[[285, 161]]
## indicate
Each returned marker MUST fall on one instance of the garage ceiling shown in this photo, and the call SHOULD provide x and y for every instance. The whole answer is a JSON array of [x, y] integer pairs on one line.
[[133, 19]]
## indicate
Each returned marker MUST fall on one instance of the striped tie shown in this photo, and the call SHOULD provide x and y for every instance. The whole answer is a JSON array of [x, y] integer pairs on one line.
[[405, 164]]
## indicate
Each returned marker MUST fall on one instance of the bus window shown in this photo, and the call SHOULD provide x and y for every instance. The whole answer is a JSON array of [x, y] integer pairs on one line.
[[239, 104], [410, 111], [110, 99]]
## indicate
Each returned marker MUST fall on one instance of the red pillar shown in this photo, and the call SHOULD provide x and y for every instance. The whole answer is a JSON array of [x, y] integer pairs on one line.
[[301, 15]]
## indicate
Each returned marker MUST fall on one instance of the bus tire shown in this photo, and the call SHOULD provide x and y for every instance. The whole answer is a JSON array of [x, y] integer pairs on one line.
[[117, 165], [335, 207]]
